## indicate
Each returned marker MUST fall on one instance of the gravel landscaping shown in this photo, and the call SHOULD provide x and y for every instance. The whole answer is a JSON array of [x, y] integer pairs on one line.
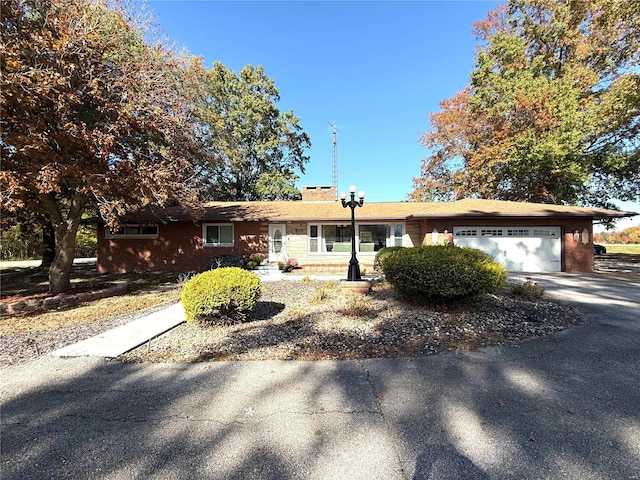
[[315, 320], [304, 320]]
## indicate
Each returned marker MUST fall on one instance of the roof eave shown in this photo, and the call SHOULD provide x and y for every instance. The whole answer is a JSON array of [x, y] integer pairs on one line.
[[594, 215]]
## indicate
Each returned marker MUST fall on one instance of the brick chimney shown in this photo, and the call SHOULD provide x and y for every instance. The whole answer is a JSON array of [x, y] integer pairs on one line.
[[319, 194]]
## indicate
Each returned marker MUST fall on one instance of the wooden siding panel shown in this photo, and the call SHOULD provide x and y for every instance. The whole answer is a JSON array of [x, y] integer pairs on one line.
[[297, 241], [412, 234]]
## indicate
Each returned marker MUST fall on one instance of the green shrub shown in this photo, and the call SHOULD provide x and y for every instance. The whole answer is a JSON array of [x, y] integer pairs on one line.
[[228, 260], [381, 254], [86, 242], [257, 258], [442, 273], [251, 265], [222, 295], [530, 290]]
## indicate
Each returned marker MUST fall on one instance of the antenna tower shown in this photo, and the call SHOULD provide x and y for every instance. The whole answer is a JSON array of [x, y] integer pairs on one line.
[[334, 165]]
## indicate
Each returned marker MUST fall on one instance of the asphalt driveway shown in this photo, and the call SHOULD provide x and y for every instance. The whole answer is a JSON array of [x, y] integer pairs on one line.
[[565, 406]]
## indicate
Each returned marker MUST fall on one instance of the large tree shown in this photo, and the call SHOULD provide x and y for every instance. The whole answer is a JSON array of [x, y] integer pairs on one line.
[[552, 111], [252, 143], [92, 115], [275, 185]]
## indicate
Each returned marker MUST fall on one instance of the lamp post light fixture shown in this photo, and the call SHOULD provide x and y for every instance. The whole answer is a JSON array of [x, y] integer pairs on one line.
[[354, 267]]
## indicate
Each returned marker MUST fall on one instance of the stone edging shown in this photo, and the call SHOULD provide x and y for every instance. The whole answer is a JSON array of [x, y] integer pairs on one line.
[[63, 300]]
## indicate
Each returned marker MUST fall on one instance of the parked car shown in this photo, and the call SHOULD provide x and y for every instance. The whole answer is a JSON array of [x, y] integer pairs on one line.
[[599, 249]]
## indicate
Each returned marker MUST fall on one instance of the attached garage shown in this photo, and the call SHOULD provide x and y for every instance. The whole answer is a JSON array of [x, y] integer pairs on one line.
[[518, 248], [524, 237]]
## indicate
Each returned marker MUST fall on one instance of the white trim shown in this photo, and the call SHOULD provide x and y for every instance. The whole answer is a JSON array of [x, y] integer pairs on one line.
[[204, 235], [282, 255], [391, 237], [537, 231], [109, 234]]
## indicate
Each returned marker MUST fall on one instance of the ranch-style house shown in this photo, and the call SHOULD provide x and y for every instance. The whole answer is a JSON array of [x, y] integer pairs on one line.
[[316, 231]]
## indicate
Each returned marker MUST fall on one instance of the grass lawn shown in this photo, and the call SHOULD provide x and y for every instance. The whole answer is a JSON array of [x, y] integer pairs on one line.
[[145, 290], [633, 248]]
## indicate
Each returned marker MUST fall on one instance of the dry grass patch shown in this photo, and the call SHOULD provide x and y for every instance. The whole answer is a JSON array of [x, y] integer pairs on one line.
[[87, 312]]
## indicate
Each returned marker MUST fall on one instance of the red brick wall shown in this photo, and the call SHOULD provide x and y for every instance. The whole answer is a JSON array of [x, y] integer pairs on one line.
[[319, 194], [576, 256], [178, 247]]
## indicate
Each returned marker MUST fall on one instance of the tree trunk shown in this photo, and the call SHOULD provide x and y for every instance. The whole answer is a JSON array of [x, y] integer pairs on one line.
[[48, 244], [60, 269], [65, 224]]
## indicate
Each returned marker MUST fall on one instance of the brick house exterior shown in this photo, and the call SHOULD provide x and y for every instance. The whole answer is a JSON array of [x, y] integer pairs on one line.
[[315, 232]]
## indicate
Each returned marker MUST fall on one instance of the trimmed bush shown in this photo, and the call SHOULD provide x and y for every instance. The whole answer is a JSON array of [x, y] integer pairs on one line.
[[257, 258], [442, 273], [381, 254], [222, 296]]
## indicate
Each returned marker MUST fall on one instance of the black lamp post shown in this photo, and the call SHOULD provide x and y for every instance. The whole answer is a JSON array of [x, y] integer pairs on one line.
[[354, 267]]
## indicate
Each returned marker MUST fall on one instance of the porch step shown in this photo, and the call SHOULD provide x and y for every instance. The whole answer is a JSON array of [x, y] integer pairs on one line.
[[267, 267], [268, 271]]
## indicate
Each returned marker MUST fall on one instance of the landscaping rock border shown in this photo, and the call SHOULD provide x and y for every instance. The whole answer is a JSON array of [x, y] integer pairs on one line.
[[62, 300]]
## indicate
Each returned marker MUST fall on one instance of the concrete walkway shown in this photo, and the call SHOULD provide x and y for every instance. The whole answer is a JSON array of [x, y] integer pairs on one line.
[[126, 337], [6, 264]]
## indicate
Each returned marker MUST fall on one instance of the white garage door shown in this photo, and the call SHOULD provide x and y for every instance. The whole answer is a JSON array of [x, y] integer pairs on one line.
[[519, 249]]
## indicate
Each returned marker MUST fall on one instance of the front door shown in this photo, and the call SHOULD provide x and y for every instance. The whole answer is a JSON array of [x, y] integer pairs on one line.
[[277, 242]]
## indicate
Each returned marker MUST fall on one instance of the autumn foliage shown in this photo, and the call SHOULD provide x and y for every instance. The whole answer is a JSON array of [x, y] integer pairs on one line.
[[552, 111], [92, 115], [626, 236]]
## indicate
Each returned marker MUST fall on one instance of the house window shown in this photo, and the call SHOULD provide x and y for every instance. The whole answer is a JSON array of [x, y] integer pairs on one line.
[[220, 235], [544, 232], [134, 230], [329, 238], [517, 232], [370, 238], [374, 237], [314, 240], [398, 232]]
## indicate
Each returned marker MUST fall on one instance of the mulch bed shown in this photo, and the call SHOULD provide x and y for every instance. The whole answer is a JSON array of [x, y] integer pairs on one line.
[[316, 321]]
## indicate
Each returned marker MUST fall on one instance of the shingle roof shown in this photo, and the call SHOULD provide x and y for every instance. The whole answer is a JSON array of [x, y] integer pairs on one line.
[[500, 208], [306, 211], [333, 211]]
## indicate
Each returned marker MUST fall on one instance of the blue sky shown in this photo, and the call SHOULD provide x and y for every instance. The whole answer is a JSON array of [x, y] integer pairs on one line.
[[375, 68]]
